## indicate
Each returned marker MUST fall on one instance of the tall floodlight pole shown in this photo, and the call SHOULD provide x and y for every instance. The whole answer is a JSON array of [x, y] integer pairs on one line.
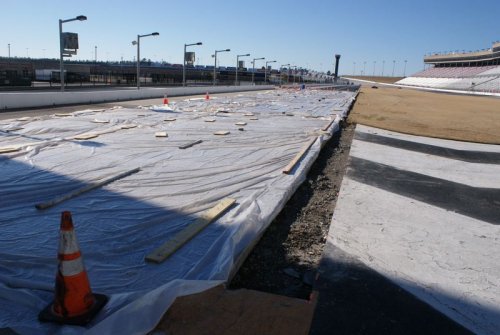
[[253, 68], [184, 63], [393, 67], [95, 53], [61, 46], [383, 65], [374, 63], [9, 49], [354, 68], [265, 70], [294, 71], [237, 66], [215, 63], [404, 71], [138, 43], [281, 75], [364, 68]]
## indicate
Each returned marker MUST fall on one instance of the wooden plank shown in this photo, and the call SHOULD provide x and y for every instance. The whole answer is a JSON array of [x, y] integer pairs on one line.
[[6, 150], [128, 126], [325, 128], [190, 144], [222, 132], [161, 134], [209, 120], [170, 119], [185, 235], [297, 157], [241, 123], [86, 136], [253, 118], [99, 121], [63, 114], [85, 189]]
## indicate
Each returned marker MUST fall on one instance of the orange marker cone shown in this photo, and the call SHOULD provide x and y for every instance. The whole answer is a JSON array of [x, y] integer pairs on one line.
[[207, 97], [165, 100], [74, 303]]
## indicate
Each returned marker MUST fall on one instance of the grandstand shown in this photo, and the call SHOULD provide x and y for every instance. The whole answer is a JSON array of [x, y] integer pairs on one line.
[[467, 71]]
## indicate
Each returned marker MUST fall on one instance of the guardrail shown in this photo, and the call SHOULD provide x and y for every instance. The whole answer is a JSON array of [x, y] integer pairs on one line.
[[17, 100]]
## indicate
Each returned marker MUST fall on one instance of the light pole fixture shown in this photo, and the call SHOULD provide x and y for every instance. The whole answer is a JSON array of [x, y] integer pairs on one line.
[[215, 62], [184, 64], [383, 65], [138, 43], [364, 68], [374, 64], [237, 66], [393, 67], [265, 70], [253, 68], [9, 49], [281, 76], [61, 46], [404, 71], [354, 68]]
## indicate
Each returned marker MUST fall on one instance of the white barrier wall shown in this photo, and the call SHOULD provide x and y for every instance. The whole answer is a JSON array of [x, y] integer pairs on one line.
[[12, 100]]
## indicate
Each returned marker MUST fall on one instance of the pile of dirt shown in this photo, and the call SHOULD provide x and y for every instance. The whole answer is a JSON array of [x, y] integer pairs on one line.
[[286, 259]]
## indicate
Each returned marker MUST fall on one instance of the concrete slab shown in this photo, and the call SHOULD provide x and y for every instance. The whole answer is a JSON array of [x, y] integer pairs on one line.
[[423, 213]]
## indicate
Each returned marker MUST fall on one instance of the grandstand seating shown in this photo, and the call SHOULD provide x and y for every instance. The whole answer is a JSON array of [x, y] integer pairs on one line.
[[473, 78]]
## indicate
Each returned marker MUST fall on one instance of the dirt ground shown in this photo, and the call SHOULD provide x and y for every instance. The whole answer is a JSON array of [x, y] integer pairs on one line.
[[455, 117]]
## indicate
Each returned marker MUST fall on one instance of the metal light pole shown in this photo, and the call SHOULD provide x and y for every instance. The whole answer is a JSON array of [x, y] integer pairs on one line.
[[237, 66], [383, 65], [294, 71], [184, 63], [364, 68], [374, 63], [9, 49], [281, 75], [138, 42], [61, 46], [404, 71], [393, 67], [354, 68], [95, 54], [215, 62], [265, 70], [253, 68]]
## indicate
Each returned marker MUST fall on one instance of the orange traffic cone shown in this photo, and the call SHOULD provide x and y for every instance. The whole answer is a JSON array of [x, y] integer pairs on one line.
[[165, 100], [207, 97], [74, 303]]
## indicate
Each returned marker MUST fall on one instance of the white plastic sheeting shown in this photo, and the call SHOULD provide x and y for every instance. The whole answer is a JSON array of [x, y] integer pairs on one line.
[[118, 224]]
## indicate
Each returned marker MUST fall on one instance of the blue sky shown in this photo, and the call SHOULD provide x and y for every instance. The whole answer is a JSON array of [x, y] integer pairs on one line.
[[306, 33]]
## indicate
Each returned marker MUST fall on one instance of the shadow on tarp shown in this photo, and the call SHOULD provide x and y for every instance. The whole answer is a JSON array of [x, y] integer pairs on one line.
[[115, 233], [355, 299]]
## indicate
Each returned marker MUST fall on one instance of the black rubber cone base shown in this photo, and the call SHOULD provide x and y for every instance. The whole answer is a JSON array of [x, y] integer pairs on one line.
[[47, 315]]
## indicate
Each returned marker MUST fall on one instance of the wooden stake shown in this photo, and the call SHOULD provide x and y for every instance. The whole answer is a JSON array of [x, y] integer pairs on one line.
[[185, 235], [190, 144], [297, 157], [85, 189]]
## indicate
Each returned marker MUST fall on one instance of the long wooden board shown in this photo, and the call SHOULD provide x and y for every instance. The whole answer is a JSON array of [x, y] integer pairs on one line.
[[325, 128], [190, 144], [172, 245], [85, 189], [297, 157]]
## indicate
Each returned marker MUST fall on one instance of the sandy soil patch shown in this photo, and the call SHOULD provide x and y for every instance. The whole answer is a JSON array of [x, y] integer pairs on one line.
[[455, 117]]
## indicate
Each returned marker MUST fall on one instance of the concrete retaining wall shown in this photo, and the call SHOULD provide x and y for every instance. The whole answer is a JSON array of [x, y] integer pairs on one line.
[[13, 100]]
